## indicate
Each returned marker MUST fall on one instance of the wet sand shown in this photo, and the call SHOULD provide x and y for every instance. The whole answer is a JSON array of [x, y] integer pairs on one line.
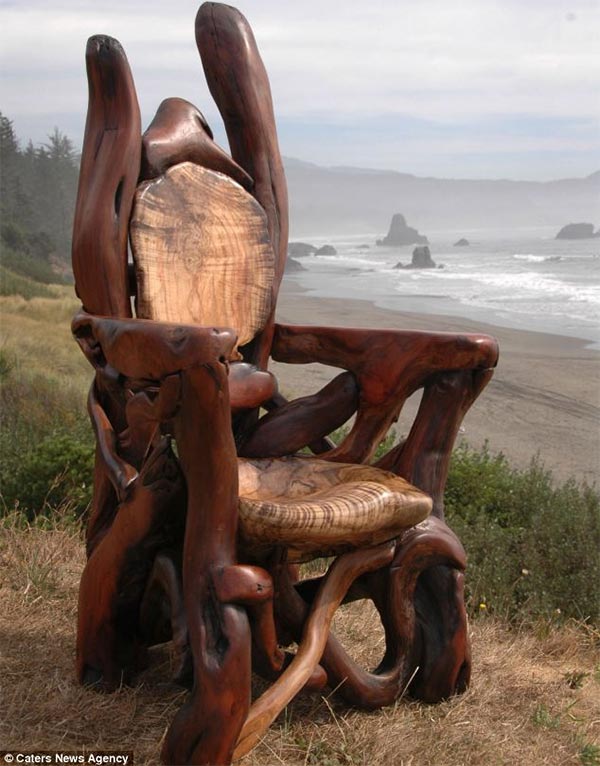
[[544, 398]]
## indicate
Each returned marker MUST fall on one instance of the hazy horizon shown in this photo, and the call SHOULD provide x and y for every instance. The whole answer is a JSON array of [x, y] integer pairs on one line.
[[477, 89]]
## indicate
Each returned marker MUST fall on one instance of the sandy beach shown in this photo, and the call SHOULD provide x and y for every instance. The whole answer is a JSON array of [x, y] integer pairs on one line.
[[544, 398]]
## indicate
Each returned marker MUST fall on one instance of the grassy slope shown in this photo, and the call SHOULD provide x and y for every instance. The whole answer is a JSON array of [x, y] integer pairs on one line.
[[534, 697], [35, 335], [521, 708]]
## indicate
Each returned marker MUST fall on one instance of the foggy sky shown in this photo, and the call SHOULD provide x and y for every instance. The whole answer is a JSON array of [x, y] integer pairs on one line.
[[437, 87]]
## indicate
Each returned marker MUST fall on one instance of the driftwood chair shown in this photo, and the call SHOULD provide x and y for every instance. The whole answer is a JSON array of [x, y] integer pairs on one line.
[[202, 507]]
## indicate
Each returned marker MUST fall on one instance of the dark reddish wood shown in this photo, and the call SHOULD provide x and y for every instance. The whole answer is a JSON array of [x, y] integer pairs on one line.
[[120, 472], [206, 728], [389, 366], [340, 576], [249, 387], [145, 350], [162, 615], [165, 556], [180, 133], [425, 548], [238, 82], [444, 645], [424, 458], [110, 165], [301, 422], [113, 582], [144, 511]]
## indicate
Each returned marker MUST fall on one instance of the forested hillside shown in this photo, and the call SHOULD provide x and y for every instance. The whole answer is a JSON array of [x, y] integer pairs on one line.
[[38, 186]]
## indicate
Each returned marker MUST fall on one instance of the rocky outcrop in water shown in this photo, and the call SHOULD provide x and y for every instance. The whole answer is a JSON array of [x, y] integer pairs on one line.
[[421, 259], [300, 249], [401, 234], [326, 250], [292, 266], [577, 231], [462, 242]]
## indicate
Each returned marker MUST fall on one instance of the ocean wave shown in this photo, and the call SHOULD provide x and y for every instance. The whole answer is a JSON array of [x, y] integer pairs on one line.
[[343, 259], [509, 287], [531, 258]]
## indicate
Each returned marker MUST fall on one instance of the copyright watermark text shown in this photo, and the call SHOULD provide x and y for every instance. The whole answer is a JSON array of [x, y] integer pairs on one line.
[[50, 757]]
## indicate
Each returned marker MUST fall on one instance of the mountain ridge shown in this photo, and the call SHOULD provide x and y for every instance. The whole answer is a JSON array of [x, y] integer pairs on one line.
[[351, 200]]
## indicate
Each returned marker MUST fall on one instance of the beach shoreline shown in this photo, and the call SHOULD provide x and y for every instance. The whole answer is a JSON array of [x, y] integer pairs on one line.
[[544, 397]]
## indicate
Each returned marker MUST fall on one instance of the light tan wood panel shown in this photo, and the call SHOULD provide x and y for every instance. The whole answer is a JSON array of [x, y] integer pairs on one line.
[[202, 251]]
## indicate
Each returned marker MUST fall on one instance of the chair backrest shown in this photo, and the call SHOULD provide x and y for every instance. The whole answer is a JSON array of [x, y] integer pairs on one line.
[[202, 252], [208, 231]]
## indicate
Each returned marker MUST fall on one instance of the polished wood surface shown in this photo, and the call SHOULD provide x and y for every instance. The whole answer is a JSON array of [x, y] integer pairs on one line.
[[201, 252], [179, 133], [390, 365], [202, 505], [110, 166], [290, 426], [317, 508], [239, 84], [316, 629]]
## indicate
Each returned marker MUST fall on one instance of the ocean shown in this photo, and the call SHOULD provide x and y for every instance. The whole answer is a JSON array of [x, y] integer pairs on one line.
[[523, 279]]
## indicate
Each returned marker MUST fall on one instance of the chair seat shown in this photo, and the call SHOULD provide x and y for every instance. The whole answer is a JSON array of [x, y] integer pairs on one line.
[[318, 508]]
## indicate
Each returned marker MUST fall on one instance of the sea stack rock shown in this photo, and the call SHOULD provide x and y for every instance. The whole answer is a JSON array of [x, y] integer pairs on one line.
[[462, 242], [292, 266], [577, 231], [326, 250], [421, 259], [300, 249], [401, 234]]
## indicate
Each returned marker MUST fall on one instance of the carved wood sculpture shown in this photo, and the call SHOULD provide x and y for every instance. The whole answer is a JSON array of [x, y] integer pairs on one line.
[[200, 545]]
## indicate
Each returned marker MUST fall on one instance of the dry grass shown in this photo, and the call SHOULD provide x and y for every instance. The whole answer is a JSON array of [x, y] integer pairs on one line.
[[36, 336], [534, 698]]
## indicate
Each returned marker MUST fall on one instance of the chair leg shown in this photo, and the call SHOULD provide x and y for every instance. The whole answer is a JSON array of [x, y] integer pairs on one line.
[[342, 573], [426, 612], [445, 653], [162, 615], [206, 728], [427, 648], [109, 649]]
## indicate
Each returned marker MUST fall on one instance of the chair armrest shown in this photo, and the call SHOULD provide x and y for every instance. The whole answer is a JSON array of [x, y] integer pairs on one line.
[[385, 362], [144, 349], [389, 365], [146, 374]]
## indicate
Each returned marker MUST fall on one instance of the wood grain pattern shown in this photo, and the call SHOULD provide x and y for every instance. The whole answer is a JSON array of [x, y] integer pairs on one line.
[[201, 546], [331, 593], [206, 728], [202, 253], [114, 579], [389, 365], [110, 165], [317, 508], [179, 133], [301, 422], [239, 84]]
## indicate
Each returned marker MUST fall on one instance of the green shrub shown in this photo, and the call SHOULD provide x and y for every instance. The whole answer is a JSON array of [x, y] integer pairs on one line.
[[46, 445], [533, 546], [16, 284], [59, 468], [26, 264]]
